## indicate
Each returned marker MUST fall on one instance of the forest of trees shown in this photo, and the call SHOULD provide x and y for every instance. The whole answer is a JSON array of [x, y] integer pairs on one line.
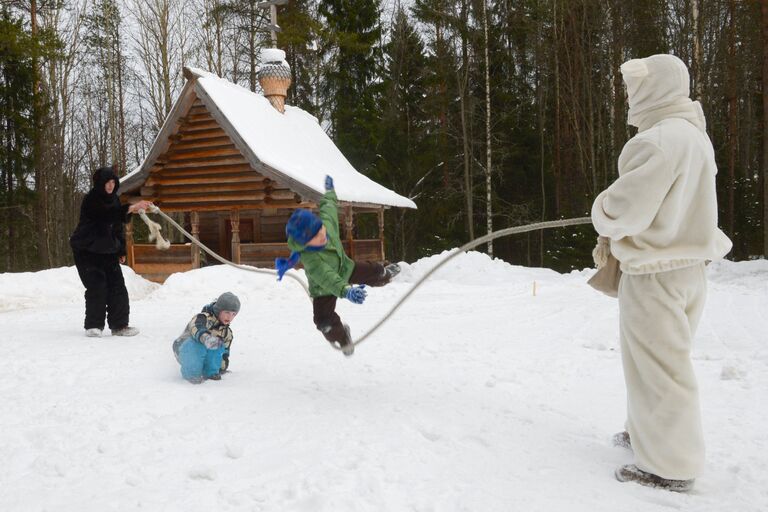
[[488, 114]]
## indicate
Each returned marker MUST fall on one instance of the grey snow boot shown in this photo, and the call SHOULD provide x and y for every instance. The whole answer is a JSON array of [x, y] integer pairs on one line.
[[125, 331], [621, 440], [346, 345], [391, 270], [631, 473], [93, 332]]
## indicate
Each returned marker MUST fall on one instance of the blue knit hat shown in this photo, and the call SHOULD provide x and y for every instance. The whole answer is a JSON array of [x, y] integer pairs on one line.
[[303, 226]]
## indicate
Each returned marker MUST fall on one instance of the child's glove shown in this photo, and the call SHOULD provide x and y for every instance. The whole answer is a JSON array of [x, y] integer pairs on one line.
[[356, 294], [210, 341], [328, 183], [601, 251], [283, 265]]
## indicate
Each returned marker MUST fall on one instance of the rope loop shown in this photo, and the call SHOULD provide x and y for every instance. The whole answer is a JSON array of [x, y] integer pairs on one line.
[[470, 245]]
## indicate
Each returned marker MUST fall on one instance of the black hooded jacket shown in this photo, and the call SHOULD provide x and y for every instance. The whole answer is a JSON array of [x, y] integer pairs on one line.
[[100, 229]]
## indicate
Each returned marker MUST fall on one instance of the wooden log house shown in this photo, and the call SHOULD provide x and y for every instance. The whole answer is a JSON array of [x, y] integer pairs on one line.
[[237, 167]]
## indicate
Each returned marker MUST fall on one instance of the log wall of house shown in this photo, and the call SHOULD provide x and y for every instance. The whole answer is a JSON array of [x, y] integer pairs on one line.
[[203, 170]]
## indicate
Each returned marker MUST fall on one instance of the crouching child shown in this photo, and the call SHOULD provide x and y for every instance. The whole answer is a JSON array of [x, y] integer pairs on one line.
[[315, 241], [203, 347]]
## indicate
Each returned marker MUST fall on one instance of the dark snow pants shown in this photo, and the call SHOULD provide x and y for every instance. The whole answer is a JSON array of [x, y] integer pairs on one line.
[[105, 294], [324, 308]]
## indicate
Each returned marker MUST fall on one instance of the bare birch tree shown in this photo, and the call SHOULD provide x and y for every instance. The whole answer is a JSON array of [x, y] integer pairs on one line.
[[488, 164], [160, 44]]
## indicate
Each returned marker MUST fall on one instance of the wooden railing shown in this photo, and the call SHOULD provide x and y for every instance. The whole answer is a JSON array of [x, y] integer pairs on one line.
[[263, 255], [157, 265], [364, 250]]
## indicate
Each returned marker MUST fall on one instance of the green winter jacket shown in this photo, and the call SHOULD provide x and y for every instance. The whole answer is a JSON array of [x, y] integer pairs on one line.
[[328, 270]]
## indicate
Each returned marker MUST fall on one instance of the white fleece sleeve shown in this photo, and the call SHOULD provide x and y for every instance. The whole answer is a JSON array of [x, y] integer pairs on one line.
[[630, 204]]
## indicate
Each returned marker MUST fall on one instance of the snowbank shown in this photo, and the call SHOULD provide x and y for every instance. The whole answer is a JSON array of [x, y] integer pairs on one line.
[[61, 285]]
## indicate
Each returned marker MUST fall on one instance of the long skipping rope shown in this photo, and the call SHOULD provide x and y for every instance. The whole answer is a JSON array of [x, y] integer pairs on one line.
[[160, 244]]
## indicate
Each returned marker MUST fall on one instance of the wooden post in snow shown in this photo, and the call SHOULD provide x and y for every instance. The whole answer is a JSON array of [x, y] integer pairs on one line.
[[194, 220], [234, 221], [129, 258]]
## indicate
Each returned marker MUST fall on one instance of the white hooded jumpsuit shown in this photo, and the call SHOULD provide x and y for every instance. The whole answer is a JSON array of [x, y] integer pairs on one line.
[[661, 217]]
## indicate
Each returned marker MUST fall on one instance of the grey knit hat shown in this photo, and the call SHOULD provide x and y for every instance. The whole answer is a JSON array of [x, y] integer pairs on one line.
[[227, 301]]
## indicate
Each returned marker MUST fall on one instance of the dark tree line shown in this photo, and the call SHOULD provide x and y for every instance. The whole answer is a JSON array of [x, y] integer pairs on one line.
[[486, 113]]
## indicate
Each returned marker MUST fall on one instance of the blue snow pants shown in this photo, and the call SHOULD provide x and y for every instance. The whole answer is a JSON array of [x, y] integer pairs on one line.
[[198, 361]]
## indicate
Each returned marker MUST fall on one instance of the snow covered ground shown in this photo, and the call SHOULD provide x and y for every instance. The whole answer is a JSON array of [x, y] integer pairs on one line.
[[476, 396]]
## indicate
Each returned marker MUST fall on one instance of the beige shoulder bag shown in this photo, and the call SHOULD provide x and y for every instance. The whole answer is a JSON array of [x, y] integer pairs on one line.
[[606, 279]]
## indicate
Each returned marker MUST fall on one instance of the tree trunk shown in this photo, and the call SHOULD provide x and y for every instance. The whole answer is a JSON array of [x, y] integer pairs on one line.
[[488, 168], [558, 135], [732, 143], [463, 92], [764, 10], [41, 212], [619, 116], [123, 156], [697, 59], [541, 121], [252, 46]]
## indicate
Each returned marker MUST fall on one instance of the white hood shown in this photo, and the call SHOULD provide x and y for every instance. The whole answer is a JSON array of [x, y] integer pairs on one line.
[[658, 88]]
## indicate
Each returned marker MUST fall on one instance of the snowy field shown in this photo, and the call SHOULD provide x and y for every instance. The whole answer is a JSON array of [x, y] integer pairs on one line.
[[476, 396]]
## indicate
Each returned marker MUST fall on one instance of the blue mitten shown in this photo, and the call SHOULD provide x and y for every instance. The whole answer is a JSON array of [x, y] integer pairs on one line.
[[328, 183], [356, 294], [283, 265]]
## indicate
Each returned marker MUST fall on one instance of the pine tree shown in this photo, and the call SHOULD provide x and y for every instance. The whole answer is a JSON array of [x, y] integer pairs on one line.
[[406, 157], [24, 108], [299, 38], [352, 43]]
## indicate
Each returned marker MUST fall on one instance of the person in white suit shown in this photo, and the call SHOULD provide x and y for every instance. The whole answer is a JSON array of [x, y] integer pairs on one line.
[[659, 219]]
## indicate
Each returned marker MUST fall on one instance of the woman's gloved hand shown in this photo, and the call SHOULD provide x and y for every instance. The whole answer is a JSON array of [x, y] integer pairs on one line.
[[601, 251]]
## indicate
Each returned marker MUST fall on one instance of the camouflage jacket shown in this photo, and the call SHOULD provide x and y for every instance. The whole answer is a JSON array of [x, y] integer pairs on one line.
[[206, 322]]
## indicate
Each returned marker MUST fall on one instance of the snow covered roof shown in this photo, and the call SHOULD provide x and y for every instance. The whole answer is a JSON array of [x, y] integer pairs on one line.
[[291, 148]]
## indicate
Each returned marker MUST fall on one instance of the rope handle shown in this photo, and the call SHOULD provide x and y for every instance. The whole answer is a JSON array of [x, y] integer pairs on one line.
[[154, 230]]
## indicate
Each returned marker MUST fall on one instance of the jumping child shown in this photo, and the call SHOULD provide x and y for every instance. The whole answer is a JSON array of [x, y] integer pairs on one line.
[[316, 242]]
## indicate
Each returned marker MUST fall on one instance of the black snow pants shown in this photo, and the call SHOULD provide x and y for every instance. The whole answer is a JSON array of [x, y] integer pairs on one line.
[[105, 292], [324, 307]]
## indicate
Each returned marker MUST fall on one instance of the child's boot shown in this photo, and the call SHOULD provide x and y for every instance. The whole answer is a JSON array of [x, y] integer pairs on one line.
[[391, 270], [347, 347]]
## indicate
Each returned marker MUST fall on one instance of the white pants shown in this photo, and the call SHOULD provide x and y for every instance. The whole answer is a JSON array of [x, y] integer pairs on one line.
[[659, 314]]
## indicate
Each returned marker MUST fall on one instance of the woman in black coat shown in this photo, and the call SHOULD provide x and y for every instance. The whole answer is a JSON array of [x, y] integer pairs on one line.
[[98, 244]]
